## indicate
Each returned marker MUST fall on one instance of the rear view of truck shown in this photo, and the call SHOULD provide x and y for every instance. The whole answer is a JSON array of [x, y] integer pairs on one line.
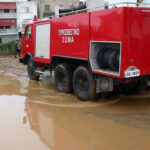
[[93, 52]]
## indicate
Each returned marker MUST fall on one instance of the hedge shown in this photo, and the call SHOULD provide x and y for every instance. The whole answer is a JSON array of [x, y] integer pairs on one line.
[[7, 48]]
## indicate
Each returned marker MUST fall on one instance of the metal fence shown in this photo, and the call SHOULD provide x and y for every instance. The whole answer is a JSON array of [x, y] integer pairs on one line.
[[8, 15], [8, 31]]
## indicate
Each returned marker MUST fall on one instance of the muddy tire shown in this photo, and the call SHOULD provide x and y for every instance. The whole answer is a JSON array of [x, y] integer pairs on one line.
[[31, 66], [63, 78], [83, 84]]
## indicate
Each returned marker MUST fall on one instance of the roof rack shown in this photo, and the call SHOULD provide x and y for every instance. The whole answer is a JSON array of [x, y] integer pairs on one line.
[[106, 6]]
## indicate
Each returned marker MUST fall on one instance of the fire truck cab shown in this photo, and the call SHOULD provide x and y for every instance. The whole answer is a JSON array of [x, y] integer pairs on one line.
[[91, 52]]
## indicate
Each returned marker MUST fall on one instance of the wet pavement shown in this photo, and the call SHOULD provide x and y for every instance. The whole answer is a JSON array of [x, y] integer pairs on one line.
[[34, 116]]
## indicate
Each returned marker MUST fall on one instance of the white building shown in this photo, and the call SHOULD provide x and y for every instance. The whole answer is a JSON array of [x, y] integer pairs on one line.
[[25, 13], [91, 4], [14, 15], [131, 3]]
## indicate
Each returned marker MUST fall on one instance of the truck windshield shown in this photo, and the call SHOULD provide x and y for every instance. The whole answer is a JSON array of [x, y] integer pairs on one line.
[[28, 32]]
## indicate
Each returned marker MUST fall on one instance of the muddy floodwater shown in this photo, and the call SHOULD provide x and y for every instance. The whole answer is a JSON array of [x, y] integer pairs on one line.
[[34, 116]]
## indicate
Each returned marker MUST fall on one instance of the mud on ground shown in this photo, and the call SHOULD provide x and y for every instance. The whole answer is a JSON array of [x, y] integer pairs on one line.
[[41, 118], [11, 66]]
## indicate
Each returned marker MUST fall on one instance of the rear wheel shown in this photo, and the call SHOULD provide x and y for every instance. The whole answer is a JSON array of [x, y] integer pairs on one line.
[[31, 70], [63, 78], [83, 84]]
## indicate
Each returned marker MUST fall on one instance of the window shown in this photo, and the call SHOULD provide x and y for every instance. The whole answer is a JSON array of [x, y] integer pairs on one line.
[[61, 6], [81, 3], [47, 8], [6, 10], [27, 10], [7, 27], [28, 32]]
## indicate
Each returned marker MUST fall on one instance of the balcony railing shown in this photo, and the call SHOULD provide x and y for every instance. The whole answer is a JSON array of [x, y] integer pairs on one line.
[[8, 31], [7, 15]]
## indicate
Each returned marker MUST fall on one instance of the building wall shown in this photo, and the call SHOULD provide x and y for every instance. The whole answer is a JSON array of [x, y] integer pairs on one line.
[[52, 4], [8, 19], [20, 13], [95, 3], [25, 13], [64, 3]]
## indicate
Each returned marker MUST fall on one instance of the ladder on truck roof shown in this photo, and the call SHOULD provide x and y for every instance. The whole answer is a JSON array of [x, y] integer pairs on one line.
[[106, 6]]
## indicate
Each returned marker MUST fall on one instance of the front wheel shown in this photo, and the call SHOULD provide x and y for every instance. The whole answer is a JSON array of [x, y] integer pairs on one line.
[[83, 84], [31, 70]]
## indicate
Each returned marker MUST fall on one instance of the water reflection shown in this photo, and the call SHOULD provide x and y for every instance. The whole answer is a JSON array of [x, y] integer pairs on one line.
[[64, 129], [15, 133], [42, 118]]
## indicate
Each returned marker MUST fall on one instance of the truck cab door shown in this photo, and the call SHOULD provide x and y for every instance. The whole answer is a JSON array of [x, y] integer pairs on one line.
[[27, 42]]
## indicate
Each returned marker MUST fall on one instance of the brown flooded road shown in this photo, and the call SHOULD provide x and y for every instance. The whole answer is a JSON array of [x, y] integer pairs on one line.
[[34, 116]]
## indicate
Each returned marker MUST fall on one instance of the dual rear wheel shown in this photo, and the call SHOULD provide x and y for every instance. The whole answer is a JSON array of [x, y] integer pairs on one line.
[[81, 81], [63, 78]]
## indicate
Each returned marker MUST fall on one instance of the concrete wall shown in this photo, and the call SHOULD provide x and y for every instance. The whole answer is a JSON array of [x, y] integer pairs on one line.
[[53, 4], [64, 3], [25, 13], [95, 3]]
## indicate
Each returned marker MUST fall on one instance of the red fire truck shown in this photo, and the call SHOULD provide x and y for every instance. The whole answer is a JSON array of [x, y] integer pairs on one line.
[[91, 52]]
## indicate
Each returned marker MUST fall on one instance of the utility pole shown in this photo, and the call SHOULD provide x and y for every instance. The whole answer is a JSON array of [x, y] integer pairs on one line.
[[72, 5]]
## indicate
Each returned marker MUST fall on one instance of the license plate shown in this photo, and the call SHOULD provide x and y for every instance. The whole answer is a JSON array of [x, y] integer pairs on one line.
[[132, 72]]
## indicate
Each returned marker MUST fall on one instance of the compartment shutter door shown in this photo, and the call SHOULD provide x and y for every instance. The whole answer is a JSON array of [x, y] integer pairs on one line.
[[42, 40]]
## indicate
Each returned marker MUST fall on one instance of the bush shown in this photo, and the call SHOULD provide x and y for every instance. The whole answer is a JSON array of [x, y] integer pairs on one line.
[[7, 48]]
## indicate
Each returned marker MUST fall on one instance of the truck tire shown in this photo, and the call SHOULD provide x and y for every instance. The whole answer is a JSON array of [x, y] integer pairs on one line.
[[63, 78], [31, 70], [83, 84]]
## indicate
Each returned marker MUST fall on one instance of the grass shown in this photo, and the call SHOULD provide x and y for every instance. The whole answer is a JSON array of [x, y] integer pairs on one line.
[[7, 49]]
